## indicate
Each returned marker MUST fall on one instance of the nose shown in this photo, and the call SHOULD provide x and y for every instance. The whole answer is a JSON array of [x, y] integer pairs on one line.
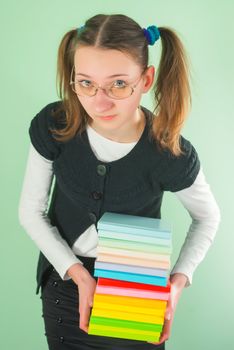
[[102, 102]]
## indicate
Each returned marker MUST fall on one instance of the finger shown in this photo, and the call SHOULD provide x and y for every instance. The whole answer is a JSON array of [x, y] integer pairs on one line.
[[163, 338], [169, 309], [159, 342], [84, 318], [165, 332], [84, 326], [168, 318]]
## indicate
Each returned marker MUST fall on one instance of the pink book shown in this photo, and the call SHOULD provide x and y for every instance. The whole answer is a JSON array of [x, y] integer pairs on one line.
[[132, 292]]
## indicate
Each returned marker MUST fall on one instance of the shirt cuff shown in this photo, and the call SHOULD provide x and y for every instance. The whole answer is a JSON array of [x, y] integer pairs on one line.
[[63, 271], [188, 274]]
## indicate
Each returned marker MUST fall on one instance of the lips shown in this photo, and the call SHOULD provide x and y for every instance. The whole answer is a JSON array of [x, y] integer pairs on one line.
[[108, 117]]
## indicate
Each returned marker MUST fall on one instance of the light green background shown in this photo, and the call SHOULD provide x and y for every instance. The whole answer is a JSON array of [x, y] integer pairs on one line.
[[30, 35]]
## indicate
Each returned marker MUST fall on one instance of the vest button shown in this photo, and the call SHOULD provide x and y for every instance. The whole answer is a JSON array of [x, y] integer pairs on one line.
[[93, 217], [61, 339], [59, 320], [96, 195], [101, 169], [55, 284], [57, 301]]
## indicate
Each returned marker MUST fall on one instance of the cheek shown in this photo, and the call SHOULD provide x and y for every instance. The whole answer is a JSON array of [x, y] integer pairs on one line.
[[84, 102], [87, 105], [132, 103]]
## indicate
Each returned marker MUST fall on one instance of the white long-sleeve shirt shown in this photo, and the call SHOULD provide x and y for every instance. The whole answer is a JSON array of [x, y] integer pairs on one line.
[[197, 199]]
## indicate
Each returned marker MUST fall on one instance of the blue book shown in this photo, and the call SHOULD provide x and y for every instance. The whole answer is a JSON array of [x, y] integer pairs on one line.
[[136, 225], [131, 268], [131, 277]]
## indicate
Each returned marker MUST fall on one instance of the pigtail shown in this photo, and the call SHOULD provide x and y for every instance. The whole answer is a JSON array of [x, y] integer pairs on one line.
[[70, 106], [171, 91], [64, 64]]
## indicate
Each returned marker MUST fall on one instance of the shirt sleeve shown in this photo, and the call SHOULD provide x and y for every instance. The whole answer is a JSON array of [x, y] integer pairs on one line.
[[181, 171], [40, 134], [32, 214], [205, 213]]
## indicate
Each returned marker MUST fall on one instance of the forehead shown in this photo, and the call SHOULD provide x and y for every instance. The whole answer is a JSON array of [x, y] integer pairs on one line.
[[100, 63]]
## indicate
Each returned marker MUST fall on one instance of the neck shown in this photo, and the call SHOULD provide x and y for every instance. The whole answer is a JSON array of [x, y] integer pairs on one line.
[[129, 133]]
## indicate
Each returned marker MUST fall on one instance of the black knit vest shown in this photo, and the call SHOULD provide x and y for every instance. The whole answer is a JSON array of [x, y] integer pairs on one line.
[[85, 187]]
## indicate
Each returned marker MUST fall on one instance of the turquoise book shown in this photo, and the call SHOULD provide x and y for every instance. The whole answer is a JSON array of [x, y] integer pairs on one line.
[[131, 277]]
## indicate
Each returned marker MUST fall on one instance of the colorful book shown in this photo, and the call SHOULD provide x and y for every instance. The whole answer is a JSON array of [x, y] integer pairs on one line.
[[133, 253], [133, 277], [133, 302], [136, 225], [133, 287], [132, 261], [131, 292], [112, 322], [131, 268], [131, 237], [132, 245], [124, 333], [130, 316]]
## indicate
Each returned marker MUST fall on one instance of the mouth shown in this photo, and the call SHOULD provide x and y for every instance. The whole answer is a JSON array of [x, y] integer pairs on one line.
[[107, 117]]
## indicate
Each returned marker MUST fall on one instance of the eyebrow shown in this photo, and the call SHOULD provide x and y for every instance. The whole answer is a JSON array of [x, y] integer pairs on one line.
[[111, 76]]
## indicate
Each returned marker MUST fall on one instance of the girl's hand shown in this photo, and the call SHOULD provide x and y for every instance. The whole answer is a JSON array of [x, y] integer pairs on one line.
[[178, 282], [86, 289]]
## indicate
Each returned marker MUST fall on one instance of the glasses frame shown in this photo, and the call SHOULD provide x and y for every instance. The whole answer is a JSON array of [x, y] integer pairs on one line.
[[107, 88]]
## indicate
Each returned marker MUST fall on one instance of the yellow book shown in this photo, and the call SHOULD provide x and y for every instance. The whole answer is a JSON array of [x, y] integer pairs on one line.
[[131, 301], [127, 316], [128, 308]]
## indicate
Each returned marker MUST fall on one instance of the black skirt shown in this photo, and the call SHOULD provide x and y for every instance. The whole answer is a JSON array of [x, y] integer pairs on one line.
[[61, 318]]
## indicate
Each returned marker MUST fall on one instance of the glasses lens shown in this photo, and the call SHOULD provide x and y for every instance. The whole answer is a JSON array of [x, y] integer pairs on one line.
[[90, 90], [83, 90], [120, 92]]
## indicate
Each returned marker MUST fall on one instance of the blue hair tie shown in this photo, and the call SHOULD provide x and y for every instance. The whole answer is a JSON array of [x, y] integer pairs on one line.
[[79, 29], [152, 34]]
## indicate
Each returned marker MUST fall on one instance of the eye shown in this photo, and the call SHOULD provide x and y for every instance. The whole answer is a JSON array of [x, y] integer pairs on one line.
[[85, 83], [119, 83]]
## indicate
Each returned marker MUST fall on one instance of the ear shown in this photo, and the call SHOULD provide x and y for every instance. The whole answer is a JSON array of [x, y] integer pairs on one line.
[[148, 79]]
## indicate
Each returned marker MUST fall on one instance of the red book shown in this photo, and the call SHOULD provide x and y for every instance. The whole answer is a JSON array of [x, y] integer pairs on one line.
[[124, 284]]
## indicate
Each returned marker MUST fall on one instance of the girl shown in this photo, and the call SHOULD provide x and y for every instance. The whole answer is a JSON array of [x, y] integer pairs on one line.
[[106, 152]]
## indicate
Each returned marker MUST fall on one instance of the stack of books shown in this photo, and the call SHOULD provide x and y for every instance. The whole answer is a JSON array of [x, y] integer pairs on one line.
[[132, 266]]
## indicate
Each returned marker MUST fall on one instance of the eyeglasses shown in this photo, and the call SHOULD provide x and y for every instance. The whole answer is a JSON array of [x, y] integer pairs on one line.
[[117, 91]]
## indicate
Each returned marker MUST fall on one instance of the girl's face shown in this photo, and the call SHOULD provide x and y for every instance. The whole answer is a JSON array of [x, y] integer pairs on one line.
[[111, 66]]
